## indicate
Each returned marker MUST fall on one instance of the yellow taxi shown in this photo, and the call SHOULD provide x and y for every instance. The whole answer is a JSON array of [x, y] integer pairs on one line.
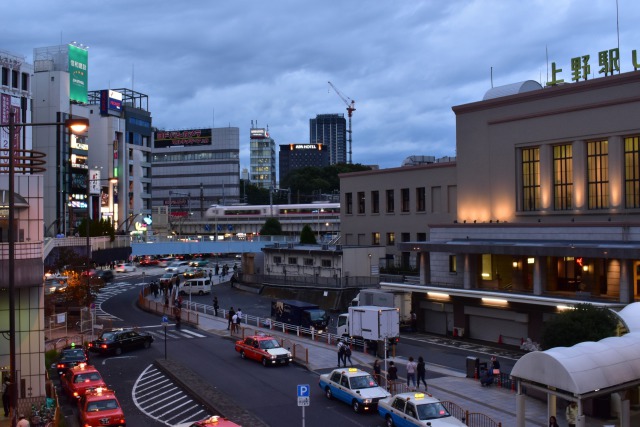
[[77, 380], [99, 407]]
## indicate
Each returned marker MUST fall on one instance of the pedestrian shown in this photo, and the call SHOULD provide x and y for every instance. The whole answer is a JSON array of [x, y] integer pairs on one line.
[[239, 313], [347, 355], [230, 318], [235, 323], [215, 306], [210, 276], [495, 366], [341, 356], [22, 421], [421, 372], [572, 414], [6, 393], [217, 269], [414, 321], [553, 422], [377, 370], [411, 372], [392, 376]]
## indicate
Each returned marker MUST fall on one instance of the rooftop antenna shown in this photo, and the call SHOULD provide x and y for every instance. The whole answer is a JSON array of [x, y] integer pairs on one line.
[[132, 76], [546, 52], [491, 77], [618, 30]]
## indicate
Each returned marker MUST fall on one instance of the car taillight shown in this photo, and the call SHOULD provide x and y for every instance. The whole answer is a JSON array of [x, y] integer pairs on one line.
[[75, 394], [60, 365], [103, 346]]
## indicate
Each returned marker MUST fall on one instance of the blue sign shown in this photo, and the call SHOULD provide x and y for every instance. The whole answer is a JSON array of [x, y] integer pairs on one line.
[[165, 319], [207, 227], [219, 228], [303, 390]]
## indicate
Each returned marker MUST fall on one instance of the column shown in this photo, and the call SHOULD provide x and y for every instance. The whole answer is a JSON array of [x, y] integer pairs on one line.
[[626, 281], [425, 270], [539, 274]]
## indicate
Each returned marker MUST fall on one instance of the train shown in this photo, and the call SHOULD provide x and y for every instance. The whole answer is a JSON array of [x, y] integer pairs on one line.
[[323, 217], [273, 211]]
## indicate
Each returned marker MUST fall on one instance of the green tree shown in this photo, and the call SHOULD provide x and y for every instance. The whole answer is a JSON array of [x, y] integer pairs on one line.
[[307, 235], [271, 227], [585, 323], [102, 227], [309, 181]]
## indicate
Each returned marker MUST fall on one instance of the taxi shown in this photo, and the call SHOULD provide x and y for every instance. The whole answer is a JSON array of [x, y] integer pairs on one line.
[[71, 356], [99, 407], [77, 380], [265, 349], [416, 409], [213, 421], [353, 386]]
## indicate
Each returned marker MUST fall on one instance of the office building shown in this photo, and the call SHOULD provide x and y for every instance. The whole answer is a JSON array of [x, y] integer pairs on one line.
[[330, 130], [193, 169], [262, 149], [296, 156]]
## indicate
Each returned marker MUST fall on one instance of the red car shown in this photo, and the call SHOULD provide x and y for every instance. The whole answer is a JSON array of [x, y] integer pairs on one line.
[[265, 349], [149, 261], [214, 421], [77, 380], [100, 407]]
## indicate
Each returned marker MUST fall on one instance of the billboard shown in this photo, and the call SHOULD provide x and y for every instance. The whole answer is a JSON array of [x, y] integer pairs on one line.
[[78, 77], [110, 102], [182, 138]]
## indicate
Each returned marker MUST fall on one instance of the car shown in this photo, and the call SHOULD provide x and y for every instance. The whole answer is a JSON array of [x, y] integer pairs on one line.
[[177, 267], [354, 387], [118, 340], [416, 409], [194, 273], [100, 407], [77, 380], [148, 261], [70, 356], [55, 285], [105, 275], [213, 421], [198, 263], [195, 287], [169, 279], [125, 267], [265, 349]]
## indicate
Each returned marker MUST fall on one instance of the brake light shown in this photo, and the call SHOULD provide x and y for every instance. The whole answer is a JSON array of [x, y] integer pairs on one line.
[[103, 346]]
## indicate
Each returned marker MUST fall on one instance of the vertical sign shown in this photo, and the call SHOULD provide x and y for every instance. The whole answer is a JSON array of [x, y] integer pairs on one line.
[[5, 108], [78, 77]]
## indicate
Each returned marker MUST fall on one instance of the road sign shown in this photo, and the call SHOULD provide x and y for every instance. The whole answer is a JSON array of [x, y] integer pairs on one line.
[[303, 395], [165, 320]]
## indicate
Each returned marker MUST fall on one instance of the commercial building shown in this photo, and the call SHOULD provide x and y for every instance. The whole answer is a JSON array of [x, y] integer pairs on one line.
[[193, 169], [330, 130], [262, 152], [296, 156]]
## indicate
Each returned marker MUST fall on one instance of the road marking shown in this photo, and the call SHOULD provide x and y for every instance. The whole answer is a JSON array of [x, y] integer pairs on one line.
[[104, 361]]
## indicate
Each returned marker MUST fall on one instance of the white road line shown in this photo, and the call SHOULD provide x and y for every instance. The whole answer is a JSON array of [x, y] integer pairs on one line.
[[186, 331]]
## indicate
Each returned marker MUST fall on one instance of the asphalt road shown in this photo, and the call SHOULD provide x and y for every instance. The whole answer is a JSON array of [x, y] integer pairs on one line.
[[270, 393]]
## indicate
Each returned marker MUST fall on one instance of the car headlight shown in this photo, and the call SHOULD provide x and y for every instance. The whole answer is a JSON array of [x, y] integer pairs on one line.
[[366, 401], [272, 356]]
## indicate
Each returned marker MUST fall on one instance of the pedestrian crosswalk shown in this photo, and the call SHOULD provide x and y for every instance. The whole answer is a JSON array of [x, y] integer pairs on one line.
[[159, 332], [107, 292]]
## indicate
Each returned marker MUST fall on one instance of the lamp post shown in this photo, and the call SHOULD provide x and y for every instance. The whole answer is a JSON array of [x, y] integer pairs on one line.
[[78, 125]]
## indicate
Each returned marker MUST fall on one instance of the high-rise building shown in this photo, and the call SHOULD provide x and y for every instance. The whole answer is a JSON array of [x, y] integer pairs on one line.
[[296, 156], [195, 168], [331, 131], [263, 158]]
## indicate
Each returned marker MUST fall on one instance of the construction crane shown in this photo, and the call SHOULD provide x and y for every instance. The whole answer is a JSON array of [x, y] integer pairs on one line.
[[351, 107]]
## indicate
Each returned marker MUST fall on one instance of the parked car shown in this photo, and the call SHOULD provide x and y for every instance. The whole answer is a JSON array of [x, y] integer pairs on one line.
[[354, 387], [265, 349], [118, 340], [416, 409], [125, 267], [70, 356], [105, 275]]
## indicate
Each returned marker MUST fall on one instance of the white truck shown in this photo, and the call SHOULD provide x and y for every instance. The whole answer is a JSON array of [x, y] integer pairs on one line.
[[370, 323], [381, 298]]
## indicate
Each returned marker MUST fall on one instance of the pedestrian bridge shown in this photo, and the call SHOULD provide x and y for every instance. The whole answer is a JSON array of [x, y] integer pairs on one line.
[[201, 245]]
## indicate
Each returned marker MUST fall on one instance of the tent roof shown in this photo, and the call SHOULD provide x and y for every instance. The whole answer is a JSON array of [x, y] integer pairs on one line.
[[586, 367], [630, 315]]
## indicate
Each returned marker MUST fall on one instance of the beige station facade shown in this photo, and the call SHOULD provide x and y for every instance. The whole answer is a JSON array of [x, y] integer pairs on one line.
[[540, 210]]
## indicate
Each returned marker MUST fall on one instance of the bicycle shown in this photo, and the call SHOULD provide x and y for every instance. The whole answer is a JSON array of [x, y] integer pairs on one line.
[[42, 417]]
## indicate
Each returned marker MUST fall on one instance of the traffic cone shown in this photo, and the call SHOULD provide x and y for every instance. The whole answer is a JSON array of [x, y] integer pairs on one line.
[[455, 332], [500, 339]]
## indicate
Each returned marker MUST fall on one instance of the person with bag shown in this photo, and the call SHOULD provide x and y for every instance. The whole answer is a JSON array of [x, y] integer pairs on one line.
[[392, 377], [347, 355], [341, 354]]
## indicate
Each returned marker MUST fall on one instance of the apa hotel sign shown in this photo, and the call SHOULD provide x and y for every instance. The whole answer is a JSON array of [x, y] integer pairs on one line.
[[608, 63]]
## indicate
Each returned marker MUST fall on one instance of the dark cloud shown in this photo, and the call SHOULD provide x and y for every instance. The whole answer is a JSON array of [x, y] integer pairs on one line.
[[404, 63]]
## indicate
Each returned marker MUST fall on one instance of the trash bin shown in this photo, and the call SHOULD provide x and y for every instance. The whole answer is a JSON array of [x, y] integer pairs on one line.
[[472, 366]]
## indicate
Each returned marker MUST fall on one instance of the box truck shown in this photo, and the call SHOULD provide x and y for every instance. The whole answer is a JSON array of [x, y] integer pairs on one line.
[[300, 313], [381, 298]]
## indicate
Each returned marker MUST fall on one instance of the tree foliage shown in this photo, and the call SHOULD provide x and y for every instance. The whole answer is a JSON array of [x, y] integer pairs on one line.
[[306, 182], [271, 227], [307, 236], [102, 227], [585, 323]]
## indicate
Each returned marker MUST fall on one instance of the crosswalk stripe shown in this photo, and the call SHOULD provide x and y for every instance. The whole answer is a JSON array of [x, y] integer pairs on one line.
[[193, 333]]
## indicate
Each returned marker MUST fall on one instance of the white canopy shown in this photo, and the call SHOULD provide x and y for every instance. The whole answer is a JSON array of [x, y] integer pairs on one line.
[[585, 368], [630, 315]]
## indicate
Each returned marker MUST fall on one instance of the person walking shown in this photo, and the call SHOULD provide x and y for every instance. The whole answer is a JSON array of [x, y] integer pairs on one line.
[[235, 323], [230, 318], [341, 355], [571, 414], [215, 306], [347, 355], [239, 313], [421, 371], [411, 372], [377, 369]]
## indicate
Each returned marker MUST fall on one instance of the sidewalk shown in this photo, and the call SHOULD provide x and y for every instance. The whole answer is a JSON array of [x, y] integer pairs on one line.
[[444, 383]]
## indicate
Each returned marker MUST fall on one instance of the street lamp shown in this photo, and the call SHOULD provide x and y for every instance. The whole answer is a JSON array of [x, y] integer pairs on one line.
[[77, 125]]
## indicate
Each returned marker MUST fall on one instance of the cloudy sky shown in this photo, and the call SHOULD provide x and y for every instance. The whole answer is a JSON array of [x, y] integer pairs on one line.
[[405, 63]]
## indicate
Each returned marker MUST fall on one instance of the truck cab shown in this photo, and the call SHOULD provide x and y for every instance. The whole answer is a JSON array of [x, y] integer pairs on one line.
[[300, 313]]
